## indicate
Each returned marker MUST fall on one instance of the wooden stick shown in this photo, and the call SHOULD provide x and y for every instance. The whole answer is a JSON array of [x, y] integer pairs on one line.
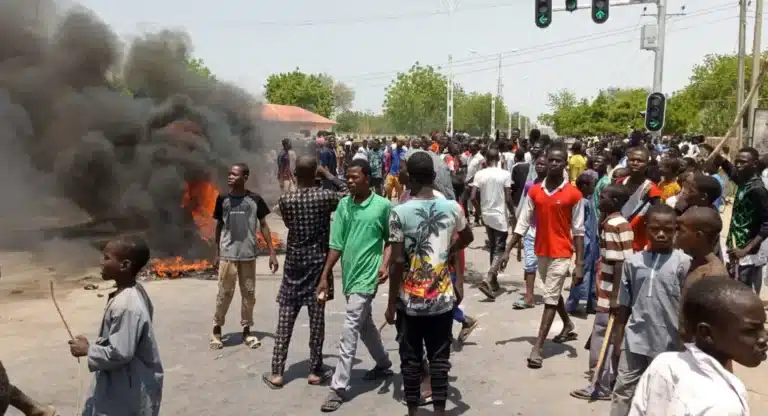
[[381, 327], [740, 114], [603, 353], [58, 309], [72, 337]]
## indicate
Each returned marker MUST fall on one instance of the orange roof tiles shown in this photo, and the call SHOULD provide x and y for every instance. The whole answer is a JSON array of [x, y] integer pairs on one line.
[[292, 114]]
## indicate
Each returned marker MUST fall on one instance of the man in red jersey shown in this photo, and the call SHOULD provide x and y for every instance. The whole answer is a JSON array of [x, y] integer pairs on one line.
[[559, 212]]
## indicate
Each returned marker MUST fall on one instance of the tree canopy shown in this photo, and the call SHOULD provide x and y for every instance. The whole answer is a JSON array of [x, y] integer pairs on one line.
[[309, 91], [415, 100], [706, 105]]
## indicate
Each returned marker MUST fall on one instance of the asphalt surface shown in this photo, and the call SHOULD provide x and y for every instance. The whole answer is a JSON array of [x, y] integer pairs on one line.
[[488, 375]]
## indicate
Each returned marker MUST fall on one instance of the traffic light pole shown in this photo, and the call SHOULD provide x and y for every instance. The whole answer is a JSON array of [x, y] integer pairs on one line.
[[658, 61]]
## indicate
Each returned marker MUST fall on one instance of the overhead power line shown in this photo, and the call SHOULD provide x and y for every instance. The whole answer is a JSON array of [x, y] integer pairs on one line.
[[487, 58]]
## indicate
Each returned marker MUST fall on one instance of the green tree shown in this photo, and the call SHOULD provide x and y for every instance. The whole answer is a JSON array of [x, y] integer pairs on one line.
[[473, 114], [198, 66], [308, 91], [415, 100]]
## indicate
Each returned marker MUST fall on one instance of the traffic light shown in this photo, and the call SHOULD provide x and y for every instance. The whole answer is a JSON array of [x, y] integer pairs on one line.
[[571, 5], [543, 13], [599, 11], [655, 110]]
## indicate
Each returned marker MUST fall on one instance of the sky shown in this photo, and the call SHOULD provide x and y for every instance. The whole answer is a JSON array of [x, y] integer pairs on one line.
[[365, 43]]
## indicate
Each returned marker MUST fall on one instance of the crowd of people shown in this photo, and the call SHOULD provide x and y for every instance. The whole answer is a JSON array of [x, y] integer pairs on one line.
[[634, 224]]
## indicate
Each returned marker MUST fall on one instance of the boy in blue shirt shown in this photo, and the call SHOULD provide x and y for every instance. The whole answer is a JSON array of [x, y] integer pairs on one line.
[[586, 289], [648, 315]]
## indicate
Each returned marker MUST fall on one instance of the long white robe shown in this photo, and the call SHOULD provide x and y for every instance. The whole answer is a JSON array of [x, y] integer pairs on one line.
[[128, 374]]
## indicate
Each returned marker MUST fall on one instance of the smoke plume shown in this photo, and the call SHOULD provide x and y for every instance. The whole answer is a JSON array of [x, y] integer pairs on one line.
[[115, 129]]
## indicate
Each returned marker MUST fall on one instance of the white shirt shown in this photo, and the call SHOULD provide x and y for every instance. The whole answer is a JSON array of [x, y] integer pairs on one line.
[[527, 157], [509, 160], [689, 383], [492, 183], [473, 166]]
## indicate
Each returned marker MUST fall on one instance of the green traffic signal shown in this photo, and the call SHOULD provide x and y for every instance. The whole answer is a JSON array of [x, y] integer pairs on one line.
[[571, 5], [600, 10], [655, 111], [543, 13]]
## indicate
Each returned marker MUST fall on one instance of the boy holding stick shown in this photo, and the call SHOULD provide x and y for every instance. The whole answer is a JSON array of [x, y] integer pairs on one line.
[[615, 245], [128, 374]]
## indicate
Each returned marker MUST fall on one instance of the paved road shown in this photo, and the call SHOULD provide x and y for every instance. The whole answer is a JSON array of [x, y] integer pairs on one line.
[[488, 374]]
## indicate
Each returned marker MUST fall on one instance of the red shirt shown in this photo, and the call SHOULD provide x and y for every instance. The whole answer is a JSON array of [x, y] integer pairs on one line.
[[559, 216]]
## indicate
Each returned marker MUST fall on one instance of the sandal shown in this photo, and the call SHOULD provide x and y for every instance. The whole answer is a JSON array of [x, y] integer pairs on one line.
[[486, 289], [466, 331], [332, 403], [520, 305], [324, 376], [216, 343], [251, 342], [563, 338], [591, 394], [425, 400], [377, 373], [266, 378], [535, 362]]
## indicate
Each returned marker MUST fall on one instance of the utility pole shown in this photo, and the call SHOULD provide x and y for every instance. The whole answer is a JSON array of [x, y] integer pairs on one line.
[[449, 100], [493, 100], [742, 64], [519, 120], [658, 58], [509, 129], [756, 55]]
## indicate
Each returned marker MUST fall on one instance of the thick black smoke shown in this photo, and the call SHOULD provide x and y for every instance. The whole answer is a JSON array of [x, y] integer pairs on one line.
[[116, 129]]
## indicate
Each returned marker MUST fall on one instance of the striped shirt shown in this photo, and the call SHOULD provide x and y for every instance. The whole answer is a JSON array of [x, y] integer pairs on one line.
[[615, 245]]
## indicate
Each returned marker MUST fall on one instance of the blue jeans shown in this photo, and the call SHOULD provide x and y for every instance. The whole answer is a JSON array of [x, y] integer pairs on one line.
[[584, 290], [458, 314]]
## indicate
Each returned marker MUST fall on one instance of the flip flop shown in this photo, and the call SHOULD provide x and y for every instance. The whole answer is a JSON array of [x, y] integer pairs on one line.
[[252, 342], [266, 379], [332, 403], [486, 289], [425, 400], [563, 338], [324, 377], [520, 305], [378, 373], [535, 363], [466, 332]]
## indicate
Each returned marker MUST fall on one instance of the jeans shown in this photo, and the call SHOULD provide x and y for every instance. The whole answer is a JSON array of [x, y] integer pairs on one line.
[[458, 314], [358, 325], [415, 334], [585, 289], [498, 242]]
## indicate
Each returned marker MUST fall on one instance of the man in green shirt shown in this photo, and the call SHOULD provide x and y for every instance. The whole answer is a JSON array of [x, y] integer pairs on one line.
[[359, 232]]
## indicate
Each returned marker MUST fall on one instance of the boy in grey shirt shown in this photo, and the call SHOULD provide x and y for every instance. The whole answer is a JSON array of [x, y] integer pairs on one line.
[[239, 216], [649, 305]]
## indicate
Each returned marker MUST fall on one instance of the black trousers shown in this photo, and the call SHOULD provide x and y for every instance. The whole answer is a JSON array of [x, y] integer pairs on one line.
[[415, 333], [287, 314], [497, 240]]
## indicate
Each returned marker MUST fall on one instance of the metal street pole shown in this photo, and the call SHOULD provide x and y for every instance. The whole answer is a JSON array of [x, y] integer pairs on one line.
[[754, 102], [449, 101], [493, 100], [509, 128], [658, 62], [742, 64]]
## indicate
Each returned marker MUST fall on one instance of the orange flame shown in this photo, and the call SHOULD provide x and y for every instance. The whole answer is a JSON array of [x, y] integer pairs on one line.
[[200, 200], [275, 237], [175, 267]]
